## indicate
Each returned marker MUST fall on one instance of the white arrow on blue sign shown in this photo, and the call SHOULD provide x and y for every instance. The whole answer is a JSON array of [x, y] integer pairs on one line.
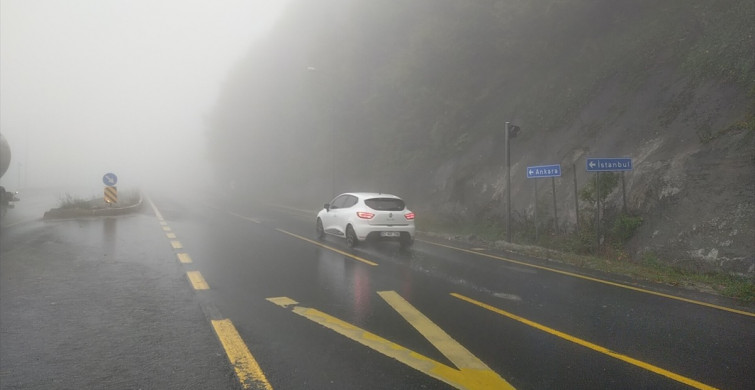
[[544, 171], [609, 164], [110, 179]]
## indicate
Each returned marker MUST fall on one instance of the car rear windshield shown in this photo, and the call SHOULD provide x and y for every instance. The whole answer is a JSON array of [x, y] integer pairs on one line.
[[386, 204]]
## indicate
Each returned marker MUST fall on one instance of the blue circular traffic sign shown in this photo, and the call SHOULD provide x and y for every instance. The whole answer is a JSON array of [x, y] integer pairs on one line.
[[110, 179]]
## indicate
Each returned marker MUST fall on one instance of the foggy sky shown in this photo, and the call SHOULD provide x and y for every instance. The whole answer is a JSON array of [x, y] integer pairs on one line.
[[124, 86]]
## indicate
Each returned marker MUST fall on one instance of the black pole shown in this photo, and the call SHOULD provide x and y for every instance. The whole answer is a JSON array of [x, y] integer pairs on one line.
[[536, 230], [597, 209], [555, 213], [623, 192], [576, 195], [508, 182]]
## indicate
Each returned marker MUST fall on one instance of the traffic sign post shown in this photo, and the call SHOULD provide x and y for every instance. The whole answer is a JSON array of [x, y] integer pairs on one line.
[[111, 191], [111, 195], [544, 171], [609, 164], [598, 165], [110, 179], [553, 171]]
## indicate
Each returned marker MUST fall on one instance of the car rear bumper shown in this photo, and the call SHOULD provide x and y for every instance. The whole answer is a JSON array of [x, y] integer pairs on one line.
[[376, 236], [374, 232]]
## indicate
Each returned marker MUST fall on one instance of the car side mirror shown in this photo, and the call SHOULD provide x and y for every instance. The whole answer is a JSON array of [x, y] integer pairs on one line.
[[327, 206]]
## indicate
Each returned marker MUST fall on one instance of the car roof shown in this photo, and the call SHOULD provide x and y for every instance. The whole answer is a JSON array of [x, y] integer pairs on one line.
[[363, 195]]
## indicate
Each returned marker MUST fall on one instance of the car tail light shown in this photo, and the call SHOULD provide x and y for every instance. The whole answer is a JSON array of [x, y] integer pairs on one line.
[[409, 216], [365, 215]]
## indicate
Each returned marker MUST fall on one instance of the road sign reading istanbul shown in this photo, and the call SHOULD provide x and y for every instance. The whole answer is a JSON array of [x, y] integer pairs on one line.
[[544, 171], [609, 164], [110, 179]]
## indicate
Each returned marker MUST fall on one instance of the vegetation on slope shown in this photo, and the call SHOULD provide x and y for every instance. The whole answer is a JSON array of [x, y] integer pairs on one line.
[[386, 95]]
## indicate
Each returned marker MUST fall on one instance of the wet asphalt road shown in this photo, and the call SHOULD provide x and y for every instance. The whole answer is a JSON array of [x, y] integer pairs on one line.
[[106, 303]]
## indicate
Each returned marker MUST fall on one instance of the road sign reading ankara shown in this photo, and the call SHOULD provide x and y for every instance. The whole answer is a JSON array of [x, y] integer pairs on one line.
[[609, 164], [544, 171]]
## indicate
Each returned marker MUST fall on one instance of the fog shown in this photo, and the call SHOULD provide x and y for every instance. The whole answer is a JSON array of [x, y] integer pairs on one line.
[[124, 86]]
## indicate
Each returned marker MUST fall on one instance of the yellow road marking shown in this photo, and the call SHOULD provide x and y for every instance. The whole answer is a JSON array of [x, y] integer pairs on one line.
[[255, 220], [642, 290], [170, 235], [450, 348], [184, 258], [247, 369], [283, 301], [300, 211], [462, 378], [197, 281], [595, 347], [363, 260]]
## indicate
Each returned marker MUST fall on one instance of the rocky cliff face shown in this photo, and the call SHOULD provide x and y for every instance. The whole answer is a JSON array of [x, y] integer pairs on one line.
[[411, 98], [693, 180]]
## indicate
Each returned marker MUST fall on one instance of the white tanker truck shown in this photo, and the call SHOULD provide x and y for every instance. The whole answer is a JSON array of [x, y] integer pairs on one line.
[[6, 198]]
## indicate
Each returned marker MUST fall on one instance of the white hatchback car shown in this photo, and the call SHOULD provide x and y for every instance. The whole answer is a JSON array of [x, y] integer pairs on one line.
[[358, 216]]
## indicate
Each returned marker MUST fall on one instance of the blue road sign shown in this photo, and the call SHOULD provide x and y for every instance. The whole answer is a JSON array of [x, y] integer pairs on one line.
[[544, 171], [609, 164], [110, 179]]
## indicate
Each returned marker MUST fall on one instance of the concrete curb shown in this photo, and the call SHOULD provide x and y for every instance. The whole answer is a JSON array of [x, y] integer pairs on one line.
[[103, 212]]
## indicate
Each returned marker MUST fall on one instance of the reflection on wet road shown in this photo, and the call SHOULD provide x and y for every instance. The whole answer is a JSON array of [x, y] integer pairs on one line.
[[290, 311], [340, 289]]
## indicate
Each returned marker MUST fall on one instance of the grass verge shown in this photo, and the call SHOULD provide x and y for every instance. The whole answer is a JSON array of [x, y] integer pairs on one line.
[[615, 261]]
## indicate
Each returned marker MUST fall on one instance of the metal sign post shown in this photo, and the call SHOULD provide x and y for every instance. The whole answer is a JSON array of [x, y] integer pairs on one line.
[[508, 180], [111, 195], [536, 213], [598, 165], [553, 171], [555, 212], [576, 197], [511, 132], [111, 191]]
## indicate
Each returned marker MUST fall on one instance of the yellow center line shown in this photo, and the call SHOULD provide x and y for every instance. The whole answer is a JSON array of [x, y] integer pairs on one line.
[[461, 378], [255, 220], [450, 348], [301, 211], [595, 347], [197, 281], [572, 274], [184, 258], [247, 369], [363, 260]]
